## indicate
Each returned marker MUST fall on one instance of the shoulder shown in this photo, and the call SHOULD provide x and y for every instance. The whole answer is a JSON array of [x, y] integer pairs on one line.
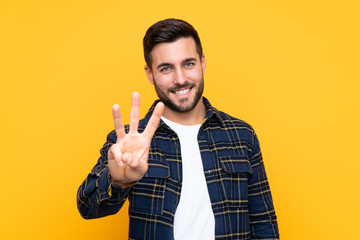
[[230, 122], [228, 119]]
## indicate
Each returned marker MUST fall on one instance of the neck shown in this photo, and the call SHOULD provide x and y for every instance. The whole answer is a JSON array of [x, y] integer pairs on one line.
[[192, 117]]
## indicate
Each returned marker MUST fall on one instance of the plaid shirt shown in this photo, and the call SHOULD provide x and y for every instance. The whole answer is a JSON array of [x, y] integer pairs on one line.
[[233, 169]]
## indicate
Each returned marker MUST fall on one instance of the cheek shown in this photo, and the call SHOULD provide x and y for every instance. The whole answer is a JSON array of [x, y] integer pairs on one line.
[[163, 79], [195, 75], [163, 82]]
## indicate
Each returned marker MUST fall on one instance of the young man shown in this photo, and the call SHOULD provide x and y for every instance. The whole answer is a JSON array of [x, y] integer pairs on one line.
[[188, 170]]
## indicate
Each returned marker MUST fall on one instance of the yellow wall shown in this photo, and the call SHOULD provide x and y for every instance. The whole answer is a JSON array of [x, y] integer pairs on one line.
[[290, 68]]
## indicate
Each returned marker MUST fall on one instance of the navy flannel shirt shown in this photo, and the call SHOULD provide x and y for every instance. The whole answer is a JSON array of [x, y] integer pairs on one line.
[[233, 168]]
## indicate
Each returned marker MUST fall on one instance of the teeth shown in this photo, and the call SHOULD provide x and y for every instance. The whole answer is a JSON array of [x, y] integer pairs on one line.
[[182, 91]]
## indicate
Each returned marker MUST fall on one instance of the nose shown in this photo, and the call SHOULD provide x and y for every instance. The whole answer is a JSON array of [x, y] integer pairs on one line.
[[180, 77]]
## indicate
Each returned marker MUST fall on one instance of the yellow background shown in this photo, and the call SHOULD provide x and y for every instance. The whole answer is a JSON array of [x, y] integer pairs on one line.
[[290, 68]]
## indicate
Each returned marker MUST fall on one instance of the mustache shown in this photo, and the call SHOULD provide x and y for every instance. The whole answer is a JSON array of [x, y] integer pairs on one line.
[[179, 87]]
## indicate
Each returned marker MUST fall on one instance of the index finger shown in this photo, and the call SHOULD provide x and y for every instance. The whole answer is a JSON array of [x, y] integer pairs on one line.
[[134, 113], [118, 123], [154, 120]]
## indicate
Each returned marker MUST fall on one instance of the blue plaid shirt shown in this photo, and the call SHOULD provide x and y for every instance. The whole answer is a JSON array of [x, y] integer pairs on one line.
[[233, 169]]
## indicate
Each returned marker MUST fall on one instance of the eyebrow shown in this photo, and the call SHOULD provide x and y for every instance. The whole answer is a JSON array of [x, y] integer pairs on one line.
[[189, 60], [166, 64]]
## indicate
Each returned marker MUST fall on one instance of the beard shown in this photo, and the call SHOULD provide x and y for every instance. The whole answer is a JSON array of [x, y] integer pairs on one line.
[[186, 104]]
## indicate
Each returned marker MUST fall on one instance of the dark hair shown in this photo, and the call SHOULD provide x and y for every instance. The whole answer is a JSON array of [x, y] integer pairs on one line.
[[168, 30]]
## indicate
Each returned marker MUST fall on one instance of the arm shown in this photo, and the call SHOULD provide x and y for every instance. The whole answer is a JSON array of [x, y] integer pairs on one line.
[[97, 197], [123, 161], [263, 221]]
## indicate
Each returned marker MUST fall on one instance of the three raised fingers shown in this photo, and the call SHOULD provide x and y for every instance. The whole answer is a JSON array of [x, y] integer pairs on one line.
[[134, 118]]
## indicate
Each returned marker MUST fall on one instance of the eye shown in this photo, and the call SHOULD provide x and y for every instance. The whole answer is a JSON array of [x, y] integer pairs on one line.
[[165, 69], [189, 64]]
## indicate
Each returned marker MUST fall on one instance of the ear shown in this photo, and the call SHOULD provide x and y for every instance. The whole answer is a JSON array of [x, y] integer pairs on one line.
[[203, 63], [149, 74]]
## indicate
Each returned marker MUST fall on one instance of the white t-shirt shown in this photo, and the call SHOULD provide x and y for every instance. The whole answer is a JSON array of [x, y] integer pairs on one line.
[[194, 218]]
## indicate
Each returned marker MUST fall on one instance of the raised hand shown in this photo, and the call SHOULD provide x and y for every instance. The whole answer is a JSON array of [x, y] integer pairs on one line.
[[128, 157]]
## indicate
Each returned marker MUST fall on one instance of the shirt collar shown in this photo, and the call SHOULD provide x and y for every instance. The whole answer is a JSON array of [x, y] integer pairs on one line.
[[212, 113]]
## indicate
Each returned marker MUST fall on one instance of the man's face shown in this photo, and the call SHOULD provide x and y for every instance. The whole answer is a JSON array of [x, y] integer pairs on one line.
[[177, 74]]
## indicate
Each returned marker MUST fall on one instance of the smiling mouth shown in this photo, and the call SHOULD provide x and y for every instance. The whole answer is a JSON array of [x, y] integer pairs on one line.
[[182, 91]]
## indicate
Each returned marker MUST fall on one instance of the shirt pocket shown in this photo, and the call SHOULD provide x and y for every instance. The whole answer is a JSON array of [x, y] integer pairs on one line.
[[235, 171], [147, 195]]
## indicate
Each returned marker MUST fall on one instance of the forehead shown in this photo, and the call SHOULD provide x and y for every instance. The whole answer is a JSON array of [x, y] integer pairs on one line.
[[173, 52]]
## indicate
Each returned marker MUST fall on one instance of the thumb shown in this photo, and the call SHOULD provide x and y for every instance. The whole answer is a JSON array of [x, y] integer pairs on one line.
[[127, 158]]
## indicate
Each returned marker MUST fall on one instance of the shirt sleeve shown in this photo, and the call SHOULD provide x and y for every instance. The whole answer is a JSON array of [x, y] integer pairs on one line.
[[96, 196], [263, 221]]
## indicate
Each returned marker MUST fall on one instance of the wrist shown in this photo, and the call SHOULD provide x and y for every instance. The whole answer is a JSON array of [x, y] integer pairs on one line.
[[120, 183]]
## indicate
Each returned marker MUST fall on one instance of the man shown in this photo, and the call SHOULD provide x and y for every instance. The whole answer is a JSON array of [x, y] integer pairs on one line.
[[188, 170]]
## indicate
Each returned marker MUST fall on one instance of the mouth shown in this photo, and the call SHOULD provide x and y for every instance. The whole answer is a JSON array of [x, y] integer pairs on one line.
[[182, 91]]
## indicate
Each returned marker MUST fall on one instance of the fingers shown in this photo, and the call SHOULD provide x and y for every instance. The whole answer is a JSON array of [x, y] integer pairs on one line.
[[134, 112], [138, 165], [115, 154], [154, 120], [118, 123], [127, 158]]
